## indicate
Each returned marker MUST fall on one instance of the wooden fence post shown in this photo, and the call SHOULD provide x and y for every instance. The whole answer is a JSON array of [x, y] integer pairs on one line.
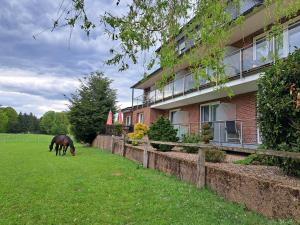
[[123, 145], [112, 144], [146, 153], [201, 168]]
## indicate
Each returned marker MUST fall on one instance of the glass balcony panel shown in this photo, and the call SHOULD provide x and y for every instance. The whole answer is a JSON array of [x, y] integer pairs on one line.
[[294, 37], [168, 90], [263, 52], [152, 96], [189, 82], [232, 64], [178, 86], [248, 62], [159, 95]]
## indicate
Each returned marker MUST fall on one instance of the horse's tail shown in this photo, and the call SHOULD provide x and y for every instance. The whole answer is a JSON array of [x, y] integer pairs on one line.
[[52, 143]]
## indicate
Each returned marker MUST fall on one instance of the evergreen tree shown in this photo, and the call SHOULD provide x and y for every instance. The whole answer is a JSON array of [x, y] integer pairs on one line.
[[90, 105]]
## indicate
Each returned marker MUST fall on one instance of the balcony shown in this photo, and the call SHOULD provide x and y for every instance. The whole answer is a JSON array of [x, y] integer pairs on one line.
[[240, 63], [184, 44], [231, 133], [237, 64]]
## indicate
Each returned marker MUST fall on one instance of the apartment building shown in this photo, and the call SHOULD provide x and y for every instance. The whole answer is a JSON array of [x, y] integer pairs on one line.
[[233, 120]]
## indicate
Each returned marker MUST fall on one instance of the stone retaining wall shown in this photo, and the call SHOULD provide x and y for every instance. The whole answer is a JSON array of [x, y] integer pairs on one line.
[[269, 198]]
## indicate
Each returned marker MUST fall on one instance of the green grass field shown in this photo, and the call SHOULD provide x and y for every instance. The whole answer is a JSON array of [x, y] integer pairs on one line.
[[95, 187]]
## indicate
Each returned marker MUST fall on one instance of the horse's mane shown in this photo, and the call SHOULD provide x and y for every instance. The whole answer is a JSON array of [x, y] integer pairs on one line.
[[53, 141]]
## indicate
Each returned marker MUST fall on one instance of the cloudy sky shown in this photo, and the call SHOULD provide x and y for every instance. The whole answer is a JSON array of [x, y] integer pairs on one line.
[[35, 74]]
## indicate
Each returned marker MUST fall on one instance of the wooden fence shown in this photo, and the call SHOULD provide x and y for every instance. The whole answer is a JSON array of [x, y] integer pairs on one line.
[[201, 153]]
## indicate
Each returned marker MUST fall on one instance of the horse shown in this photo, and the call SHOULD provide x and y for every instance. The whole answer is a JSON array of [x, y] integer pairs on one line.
[[62, 142]]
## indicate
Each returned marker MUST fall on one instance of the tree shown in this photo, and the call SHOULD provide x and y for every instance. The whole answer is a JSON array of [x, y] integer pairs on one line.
[[54, 123], [47, 122], [162, 130], [3, 121], [12, 119], [278, 109], [150, 23], [28, 123], [90, 105]]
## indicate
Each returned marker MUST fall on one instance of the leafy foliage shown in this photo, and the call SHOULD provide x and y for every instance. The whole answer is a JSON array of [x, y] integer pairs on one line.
[[3, 121], [12, 119], [55, 123], [214, 155], [28, 123], [146, 24], [90, 105], [140, 130], [191, 138], [206, 134], [162, 130], [278, 115]]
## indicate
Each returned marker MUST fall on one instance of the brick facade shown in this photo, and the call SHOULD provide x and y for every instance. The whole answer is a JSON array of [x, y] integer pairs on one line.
[[245, 112]]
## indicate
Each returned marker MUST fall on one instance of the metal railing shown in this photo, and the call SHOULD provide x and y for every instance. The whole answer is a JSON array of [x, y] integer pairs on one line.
[[231, 132], [237, 64]]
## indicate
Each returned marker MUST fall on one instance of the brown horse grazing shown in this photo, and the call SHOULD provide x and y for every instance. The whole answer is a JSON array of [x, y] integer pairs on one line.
[[62, 142]]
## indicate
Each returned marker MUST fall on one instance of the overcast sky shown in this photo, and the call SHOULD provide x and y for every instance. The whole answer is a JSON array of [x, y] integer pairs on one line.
[[35, 74]]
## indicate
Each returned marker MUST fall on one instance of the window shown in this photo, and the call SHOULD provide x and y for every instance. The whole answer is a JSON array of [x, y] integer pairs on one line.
[[262, 52], [294, 37], [128, 120], [140, 117], [181, 46], [209, 113]]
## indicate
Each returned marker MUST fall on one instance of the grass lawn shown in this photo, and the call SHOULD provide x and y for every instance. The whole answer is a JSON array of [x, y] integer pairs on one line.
[[96, 187]]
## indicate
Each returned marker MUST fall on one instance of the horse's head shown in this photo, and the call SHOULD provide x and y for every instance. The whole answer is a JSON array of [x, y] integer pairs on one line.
[[50, 147], [72, 150]]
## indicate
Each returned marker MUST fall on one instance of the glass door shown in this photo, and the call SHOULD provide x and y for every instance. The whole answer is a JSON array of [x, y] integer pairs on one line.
[[209, 115]]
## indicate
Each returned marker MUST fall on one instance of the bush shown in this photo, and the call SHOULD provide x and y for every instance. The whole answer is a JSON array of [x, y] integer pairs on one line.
[[118, 129], [191, 138], [214, 155], [140, 130], [278, 112], [206, 134], [162, 130]]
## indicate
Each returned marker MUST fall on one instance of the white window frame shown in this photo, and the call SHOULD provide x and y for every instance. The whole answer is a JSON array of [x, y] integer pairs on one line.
[[170, 113], [210, 111], [128, 120], [141, 118], [262, 36], [295, 21], [285, 35]]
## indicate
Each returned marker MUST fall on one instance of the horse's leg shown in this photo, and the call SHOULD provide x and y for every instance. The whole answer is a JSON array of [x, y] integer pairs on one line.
[[66, 148], [56, 149]]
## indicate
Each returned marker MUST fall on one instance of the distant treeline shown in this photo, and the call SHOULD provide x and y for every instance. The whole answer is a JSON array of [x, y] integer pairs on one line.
[[50, 123]]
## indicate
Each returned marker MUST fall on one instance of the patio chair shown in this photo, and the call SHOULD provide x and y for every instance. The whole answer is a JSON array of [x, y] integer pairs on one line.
[[232, 133]]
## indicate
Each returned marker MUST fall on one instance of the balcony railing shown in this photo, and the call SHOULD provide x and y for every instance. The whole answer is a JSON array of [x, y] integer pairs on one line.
[[237, 64], [233, 132]]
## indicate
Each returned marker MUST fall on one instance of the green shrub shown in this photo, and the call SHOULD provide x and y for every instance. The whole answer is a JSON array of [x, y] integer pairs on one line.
[[206, 134], [118, 129], [162, 130], [191, 138], [278, 116], [214, 155]]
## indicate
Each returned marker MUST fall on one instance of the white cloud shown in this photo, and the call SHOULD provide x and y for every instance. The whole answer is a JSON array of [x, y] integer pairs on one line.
[[34, 74], [31, 103]]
